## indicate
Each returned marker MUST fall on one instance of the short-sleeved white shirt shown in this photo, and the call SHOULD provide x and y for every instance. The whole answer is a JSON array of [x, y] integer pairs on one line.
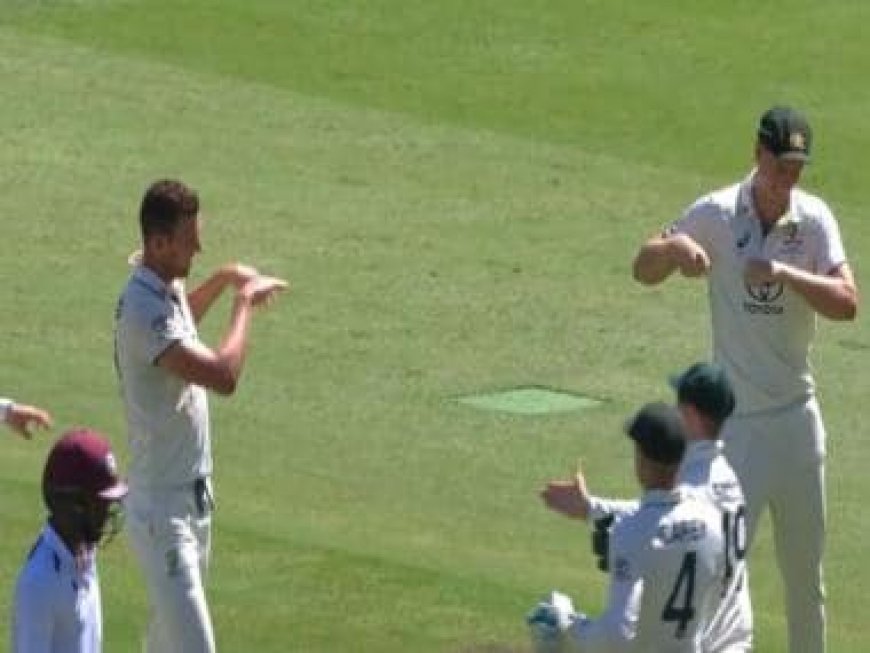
[[705, 470], [705, 473], [762, 333], [665, 577], [57, 605], [167, 417]]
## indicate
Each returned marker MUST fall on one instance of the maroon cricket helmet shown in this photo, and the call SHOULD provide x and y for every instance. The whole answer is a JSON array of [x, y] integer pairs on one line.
[[82, 460]]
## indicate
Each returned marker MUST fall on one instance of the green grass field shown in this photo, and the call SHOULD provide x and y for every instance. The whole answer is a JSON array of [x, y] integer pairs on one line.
[[455, 191]]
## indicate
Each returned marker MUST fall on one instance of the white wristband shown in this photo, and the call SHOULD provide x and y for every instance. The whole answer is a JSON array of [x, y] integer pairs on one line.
[[5, 405]]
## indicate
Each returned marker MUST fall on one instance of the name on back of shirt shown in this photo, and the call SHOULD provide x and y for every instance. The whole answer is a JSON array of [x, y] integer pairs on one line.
[[688, 530]]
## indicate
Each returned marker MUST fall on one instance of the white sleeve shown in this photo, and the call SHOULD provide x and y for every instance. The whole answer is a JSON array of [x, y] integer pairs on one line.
[[614, 631], [155, 326], [599, 508], [697, 222], [5, 405], [831, 252], [33, 624]]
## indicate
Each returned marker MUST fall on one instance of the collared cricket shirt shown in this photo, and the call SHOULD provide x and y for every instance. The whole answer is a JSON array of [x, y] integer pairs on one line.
[[666, 574], [167, 417], [762, 332], [57, 602]]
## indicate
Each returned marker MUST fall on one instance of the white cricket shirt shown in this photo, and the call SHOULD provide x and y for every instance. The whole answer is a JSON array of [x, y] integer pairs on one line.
[[665, 578], [705, 471], [57, 606], [167, 417], [762, 333]]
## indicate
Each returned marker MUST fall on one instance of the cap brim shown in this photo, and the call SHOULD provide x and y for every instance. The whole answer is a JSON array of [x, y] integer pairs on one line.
[[794, 156], [117, 491]]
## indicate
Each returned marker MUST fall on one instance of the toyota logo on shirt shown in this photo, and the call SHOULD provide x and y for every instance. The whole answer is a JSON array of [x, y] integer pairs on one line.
[[766, 292]]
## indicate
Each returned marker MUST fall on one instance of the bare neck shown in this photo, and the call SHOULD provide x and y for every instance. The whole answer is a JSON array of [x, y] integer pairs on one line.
[[769, 207], [152, 264]]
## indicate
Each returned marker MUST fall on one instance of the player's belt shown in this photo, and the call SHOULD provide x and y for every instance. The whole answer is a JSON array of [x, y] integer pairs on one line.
[[202, 496]]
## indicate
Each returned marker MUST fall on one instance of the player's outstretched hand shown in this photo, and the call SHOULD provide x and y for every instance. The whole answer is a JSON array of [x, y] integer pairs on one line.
[[690, 257], [569, 498], [238, 274], [25, 420], [262, 290]]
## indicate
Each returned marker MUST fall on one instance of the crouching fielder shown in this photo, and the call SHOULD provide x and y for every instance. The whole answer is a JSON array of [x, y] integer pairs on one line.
[[666, 561]]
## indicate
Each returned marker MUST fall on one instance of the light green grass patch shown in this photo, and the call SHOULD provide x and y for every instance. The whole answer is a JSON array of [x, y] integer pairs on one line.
[[529, 401]]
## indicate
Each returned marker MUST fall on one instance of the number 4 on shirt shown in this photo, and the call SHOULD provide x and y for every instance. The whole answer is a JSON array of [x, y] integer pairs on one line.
[[679, 606]]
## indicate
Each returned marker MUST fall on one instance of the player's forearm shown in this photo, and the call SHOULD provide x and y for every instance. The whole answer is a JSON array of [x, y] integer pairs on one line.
[[833, 297], [654, 262], [203, 296], [234, 345]]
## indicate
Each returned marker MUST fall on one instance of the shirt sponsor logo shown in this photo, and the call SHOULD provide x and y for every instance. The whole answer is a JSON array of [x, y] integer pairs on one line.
[[764, 296]]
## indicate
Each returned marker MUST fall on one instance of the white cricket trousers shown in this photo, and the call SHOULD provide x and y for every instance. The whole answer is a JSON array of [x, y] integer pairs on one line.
[[779, 457], [170, 534]]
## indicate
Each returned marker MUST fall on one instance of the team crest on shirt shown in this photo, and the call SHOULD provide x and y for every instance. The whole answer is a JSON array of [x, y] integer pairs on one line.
[[792, 242], [743, 241]]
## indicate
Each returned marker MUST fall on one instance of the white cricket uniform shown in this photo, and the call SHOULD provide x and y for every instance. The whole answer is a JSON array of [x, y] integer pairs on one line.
[[666, 575], [57, 604], [762, 335], [168, 509], [705, 469], [705, 472]]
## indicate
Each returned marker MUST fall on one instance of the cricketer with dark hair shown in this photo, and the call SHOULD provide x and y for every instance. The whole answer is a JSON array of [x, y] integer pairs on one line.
[[165, 371]]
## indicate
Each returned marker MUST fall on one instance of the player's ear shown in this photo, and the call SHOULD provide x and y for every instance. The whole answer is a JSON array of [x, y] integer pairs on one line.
[[157, 242]]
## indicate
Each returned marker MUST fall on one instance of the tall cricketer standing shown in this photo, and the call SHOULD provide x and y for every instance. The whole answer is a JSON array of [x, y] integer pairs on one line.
[[774, 260], [164, 372]]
